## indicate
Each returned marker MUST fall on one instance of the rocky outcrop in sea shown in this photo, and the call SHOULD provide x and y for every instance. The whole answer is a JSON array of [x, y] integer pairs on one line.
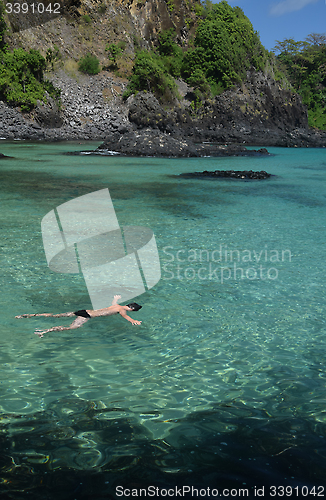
[[228, 174], [153, 142]]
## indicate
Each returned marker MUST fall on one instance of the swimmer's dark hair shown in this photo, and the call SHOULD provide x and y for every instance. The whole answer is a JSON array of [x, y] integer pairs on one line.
[[134, 306]]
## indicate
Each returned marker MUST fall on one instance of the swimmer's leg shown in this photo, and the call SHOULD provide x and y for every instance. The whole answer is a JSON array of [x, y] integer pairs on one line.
[[79, 321], [47, 315]]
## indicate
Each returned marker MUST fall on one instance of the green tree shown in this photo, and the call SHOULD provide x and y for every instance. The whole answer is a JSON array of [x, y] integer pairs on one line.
[[166, 43], [304, 63], [225, 47], [316, 39], [21, 74], [21, 78], [149, 74], [170, 52]]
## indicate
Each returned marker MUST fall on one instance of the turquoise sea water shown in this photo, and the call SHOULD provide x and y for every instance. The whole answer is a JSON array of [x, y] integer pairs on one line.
[[223, 384]]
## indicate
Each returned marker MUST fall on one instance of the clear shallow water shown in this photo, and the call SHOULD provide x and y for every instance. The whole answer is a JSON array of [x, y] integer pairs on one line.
[[229, 362]]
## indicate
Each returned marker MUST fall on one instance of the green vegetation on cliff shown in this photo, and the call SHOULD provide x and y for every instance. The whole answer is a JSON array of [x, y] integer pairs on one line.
[[21, 75], [304, 64], [21, 78], [89, 64], [153, 71], [224, 48]]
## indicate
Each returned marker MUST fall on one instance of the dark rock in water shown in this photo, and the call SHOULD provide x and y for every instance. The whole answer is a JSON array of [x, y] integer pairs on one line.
[[207, 149], [231, 174], [148, 142]]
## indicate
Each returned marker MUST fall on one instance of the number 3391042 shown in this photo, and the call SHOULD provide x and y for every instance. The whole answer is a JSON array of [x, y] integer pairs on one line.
[[32, 8]]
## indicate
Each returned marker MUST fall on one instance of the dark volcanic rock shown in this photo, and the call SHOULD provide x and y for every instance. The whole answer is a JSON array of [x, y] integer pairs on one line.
[[145, 111], [48, 116], [258, 108], [228, 150], [259, 111], [148, 142], [232, 174]]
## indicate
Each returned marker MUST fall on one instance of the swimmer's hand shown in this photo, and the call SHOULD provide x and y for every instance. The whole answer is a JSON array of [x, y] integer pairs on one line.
[[135, 322], [24, 316], [128, 318], [115, 300], [40, 333]]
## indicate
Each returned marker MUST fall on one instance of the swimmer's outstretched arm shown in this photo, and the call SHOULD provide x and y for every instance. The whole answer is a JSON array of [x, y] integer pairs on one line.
[[79, 321], [128, 318]]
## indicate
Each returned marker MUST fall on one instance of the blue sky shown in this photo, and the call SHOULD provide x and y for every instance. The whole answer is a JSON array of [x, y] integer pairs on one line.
[[279, 19]]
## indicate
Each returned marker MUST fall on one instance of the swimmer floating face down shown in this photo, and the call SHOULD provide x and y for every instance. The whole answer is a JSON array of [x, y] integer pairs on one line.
[[134, 307], [85, 314]]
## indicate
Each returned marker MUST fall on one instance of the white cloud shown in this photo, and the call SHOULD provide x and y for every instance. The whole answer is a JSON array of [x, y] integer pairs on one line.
[[286, 6]]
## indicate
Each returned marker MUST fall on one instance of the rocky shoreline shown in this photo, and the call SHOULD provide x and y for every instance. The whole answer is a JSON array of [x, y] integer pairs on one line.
[[92, 109]]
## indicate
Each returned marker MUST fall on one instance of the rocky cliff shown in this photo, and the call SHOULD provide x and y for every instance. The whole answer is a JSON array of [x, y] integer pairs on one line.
[[83, 26], [259, 111]]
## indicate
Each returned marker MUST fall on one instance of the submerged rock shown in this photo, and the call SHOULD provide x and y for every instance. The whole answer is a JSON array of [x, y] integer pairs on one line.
[[232, 174]]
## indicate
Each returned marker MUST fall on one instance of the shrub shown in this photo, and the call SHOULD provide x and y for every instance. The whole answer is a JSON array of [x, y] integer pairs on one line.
[[150, 74], [86, 19], [170, 52], [89, 64], [198, 80], [21, 78], [115, 50], [53, 55]]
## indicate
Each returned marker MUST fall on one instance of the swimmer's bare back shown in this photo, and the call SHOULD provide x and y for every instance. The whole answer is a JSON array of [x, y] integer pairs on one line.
[[85, 315]]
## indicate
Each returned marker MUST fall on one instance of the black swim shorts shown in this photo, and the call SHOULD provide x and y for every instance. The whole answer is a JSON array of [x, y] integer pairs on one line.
[[82, 313]]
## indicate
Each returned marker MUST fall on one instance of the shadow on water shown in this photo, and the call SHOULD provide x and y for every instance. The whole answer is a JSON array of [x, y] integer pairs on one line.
[[47, 189], [81, 449], [269, 189]]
